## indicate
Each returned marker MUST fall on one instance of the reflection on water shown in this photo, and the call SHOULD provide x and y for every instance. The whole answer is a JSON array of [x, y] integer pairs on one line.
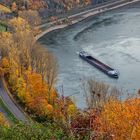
[[113, 37]]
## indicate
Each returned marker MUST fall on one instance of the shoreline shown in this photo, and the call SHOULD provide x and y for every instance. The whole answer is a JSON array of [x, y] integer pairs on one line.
[[76, 18]]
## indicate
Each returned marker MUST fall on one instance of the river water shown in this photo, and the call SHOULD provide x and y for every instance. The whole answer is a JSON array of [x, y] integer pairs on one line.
[[112, 37]]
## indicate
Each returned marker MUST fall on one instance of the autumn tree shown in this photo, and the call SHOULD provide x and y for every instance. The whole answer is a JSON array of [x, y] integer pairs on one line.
[[14, 7], [98, 93], [45, 63], [3, 121], [120, 120], [37, 4], [21, 29], [31, 16]]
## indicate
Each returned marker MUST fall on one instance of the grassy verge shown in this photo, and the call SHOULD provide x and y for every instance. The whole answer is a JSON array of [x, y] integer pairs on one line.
[[2, 28], [9, 116]]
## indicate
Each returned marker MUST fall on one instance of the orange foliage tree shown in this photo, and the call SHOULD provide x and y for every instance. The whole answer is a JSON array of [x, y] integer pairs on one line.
[[119, 120], [4, 65], [14, 6], [33, 92]]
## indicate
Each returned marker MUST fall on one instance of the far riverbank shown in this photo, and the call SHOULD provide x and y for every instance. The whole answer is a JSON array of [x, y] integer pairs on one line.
[[82, 16]]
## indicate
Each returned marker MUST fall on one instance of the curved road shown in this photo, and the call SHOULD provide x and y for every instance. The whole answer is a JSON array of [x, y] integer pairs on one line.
[[19, 115]]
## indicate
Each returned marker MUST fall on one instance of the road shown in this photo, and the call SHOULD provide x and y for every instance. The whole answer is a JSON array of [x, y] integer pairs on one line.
[[19, 115]]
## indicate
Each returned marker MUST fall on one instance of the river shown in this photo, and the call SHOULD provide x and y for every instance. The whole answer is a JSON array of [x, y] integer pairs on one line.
[[112, 37]]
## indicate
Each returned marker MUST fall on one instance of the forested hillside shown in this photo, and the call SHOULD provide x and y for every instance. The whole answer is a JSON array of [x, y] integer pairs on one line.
[[46, 8], [49, 4], [66, 4]]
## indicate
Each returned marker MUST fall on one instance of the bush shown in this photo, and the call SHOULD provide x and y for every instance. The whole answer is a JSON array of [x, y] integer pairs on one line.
[[33, 131]]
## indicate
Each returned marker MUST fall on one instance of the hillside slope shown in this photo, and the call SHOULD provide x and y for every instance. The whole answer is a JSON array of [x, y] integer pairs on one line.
[[49, 4]]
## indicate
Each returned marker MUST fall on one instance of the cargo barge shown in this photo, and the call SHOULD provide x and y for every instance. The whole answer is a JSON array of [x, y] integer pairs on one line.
[[98, 64]]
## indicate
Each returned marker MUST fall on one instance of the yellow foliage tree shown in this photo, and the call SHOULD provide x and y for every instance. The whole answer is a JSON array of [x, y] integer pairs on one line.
[[3, 121], [21, 89], [5, 64], [19, 24], [71, 109]]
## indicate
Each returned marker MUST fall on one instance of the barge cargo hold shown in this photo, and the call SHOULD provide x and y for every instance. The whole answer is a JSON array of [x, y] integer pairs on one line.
[[98, 64]]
